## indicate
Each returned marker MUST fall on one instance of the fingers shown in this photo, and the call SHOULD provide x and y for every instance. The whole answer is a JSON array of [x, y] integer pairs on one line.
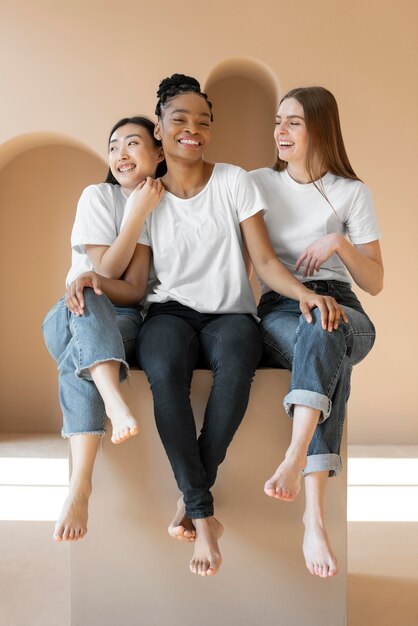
[[95, 283], [300, 261], [74, 297], [306, 311]]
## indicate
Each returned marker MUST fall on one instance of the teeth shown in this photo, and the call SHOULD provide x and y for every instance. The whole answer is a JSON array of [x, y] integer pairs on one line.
[[189, 142], [126, 168], [286, 143]]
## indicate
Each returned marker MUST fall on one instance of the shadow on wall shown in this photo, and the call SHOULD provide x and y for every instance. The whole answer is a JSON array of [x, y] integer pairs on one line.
[[244, 93], [41, 178]]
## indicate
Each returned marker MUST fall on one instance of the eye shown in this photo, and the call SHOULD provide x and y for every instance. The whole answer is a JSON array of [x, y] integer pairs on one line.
[[294, 124], [205, 124], [177, 119], [112, 148], [133, 143]]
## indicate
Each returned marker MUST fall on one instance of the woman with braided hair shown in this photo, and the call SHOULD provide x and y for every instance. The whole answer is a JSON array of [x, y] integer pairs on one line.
[[202, 306]]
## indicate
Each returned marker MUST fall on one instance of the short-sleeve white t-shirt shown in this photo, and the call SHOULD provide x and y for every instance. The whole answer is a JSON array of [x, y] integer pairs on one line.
[[298, 214], [97, 222], [198, 251]]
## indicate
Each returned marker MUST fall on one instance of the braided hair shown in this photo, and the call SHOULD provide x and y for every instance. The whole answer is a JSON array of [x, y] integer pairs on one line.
[[173, 86]]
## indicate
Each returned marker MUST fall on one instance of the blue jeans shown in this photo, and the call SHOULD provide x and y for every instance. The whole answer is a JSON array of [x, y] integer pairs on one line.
[[170, 343], [321, 362], [103, 333]]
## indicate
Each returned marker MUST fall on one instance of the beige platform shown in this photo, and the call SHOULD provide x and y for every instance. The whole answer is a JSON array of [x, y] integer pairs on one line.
[[128, 572]]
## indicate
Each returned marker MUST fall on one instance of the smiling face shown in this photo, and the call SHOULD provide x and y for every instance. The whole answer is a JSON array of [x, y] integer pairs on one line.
[[185, 127], [291, 135], [133, 155]]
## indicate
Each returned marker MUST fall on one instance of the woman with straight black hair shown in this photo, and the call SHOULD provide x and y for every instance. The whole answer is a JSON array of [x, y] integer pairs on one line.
[[92, 334]]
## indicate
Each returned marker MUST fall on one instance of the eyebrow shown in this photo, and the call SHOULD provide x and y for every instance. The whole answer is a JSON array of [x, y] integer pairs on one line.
[[289, 117], [127, 137], [202, 114]]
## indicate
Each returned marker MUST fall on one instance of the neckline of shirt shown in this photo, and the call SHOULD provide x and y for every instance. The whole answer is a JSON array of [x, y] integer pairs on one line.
[[305, 187], [202, 191]]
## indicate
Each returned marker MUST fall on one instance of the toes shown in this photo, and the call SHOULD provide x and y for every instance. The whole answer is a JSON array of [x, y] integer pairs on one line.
[[311, 568], [269, 490]]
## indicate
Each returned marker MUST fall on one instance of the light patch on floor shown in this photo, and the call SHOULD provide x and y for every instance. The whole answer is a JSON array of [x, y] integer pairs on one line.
[[32, 488]]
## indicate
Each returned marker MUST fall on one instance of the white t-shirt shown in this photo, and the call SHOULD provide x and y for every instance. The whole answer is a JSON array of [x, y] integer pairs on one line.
[[97, 222], [197, 245], [299, 215]]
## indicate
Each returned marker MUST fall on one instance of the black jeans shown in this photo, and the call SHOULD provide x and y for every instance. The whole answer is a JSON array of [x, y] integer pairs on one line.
[[172, 340]]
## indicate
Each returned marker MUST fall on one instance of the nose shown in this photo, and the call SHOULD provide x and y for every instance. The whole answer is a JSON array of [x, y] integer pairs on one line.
[[122, 154]]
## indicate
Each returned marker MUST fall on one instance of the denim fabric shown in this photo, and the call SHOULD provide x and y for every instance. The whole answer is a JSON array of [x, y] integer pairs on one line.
[[103, 333], [170, 342], [321, 362]]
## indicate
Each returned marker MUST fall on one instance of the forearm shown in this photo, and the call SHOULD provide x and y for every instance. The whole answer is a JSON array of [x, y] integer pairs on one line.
[[366, 270], [274, 274], [121, 292], [117, 257]]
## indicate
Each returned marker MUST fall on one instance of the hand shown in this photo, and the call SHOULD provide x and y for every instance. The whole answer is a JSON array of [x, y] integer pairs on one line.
[[74, 299], [330, 310], [145, 197], [316, 254]]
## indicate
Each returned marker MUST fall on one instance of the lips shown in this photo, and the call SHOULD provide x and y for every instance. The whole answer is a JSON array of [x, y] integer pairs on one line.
[[286, 144], [126, 167], [189, 142]]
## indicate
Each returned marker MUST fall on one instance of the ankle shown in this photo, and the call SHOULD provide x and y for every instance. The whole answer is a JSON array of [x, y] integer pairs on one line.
[[81, 484]]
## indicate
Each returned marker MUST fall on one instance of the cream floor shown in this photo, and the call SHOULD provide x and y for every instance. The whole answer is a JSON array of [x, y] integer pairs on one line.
[[35, 572]]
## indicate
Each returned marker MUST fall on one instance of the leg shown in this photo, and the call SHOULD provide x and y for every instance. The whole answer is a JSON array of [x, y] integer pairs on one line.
[[72, 522], [106, 378], [82, 406], [319, 557], [232, 346], [286, 481], [168, 351]]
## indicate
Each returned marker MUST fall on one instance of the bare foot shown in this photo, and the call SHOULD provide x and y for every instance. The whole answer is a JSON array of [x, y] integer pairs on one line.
[[286, 481], [72, 522], [123, 424], [206, 557], [181, 527], [319, 557]]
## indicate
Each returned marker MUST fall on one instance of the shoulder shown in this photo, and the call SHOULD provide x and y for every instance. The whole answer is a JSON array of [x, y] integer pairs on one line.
[[266, 176], [228, 171], [354, 190], [103, 194]]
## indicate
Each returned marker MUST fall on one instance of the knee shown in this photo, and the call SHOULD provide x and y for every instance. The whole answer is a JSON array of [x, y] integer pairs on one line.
[[97, 304], [313, 332]]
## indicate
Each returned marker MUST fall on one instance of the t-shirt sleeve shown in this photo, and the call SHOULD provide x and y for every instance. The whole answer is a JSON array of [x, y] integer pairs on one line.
[[94, 221], [247, 197], [144, 236], [361, 224]]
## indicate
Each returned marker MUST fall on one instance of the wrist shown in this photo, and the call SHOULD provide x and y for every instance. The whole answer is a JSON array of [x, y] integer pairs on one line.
[[338, 242]]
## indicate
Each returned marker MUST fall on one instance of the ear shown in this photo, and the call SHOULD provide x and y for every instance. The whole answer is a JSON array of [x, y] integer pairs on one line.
[[160, 154], [157, 133]]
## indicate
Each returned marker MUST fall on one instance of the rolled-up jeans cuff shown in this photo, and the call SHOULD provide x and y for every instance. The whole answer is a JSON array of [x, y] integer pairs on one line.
[[312, 399], [99, 433], [323, 462], [200, 514], [84, 372]]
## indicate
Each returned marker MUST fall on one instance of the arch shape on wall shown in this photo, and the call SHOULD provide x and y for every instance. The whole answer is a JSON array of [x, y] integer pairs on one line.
[[245, 93], [22, 143], [41, 179], [246, 67]]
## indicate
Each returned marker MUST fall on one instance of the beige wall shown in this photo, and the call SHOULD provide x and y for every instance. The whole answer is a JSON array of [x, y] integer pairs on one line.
[[74, 68], [38, 194]]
